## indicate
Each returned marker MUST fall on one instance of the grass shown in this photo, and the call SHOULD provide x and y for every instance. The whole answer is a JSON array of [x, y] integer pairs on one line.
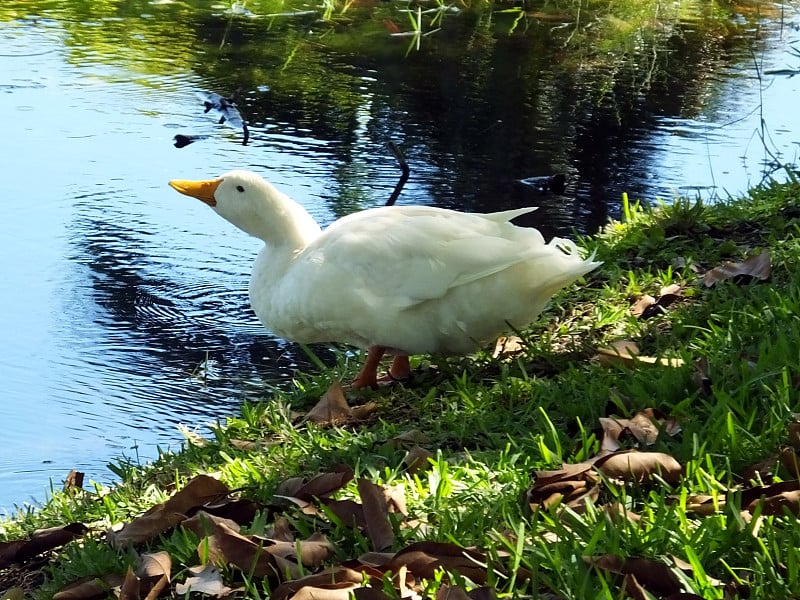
[[490, 426]]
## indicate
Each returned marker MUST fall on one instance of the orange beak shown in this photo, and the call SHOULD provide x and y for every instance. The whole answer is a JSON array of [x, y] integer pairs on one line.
[[202, 190]]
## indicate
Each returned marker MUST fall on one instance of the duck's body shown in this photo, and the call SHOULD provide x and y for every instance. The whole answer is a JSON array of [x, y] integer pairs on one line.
[[398, 279]]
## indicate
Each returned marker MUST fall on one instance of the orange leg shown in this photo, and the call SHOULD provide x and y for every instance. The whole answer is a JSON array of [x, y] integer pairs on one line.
[[368, 375], [401, 368]]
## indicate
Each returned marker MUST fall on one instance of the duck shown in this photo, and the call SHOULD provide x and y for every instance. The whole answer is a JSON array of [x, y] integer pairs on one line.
[[397, 280]]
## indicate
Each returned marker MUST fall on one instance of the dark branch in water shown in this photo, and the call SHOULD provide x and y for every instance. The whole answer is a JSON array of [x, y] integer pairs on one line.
[[401, 159]]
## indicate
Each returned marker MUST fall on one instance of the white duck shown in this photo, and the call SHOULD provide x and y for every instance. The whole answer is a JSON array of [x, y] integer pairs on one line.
[[398, 279]]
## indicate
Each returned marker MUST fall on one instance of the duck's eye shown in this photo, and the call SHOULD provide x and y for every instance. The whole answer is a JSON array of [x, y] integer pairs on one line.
[[240, 188]]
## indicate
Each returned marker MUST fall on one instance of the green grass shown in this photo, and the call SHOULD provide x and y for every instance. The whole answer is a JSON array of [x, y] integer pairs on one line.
[[489, 424]]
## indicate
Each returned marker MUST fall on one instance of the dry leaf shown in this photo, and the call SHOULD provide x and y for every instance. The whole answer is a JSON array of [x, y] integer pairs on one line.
[[410, 438], [202, 523], [632, 465], [508, 345], [331, 591], [198, 491], [226, 547], [626, 353], [422, 559], [644, 427], [205, 579], [647, 306], [332, 408], [376, 515], [656, 577], [417, 458], [90, 588], [778, 504], [335, 575], [754, 267], [42, 540]]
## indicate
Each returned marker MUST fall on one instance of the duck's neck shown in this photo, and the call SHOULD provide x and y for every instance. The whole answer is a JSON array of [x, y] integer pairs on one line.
[[285, 227]]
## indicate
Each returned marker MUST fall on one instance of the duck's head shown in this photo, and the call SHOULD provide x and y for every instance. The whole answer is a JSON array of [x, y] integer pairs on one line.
[[252, 204]]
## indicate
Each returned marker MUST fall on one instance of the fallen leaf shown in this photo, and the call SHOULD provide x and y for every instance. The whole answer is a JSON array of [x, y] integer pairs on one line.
[[324, 484], [198, 491], [376, 515], [74, 482], [90, 588], [335, 575], [447, 592], [631, 465], [417, 458], [42, 540], [422, 559], [333, 409], [331, 591], [778, 504], [202, 523], [754, 267], [644, 427], [647, 306], [227, 547], [410, 438], [790, 461], [206, 579], [508, 346], [655, 576], [626, 353]]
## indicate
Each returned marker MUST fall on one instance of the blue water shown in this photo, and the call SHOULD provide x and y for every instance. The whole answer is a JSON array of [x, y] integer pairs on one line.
[[123, 310]]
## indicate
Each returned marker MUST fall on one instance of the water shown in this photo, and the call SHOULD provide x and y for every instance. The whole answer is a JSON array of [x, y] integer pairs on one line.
[[123, 310]]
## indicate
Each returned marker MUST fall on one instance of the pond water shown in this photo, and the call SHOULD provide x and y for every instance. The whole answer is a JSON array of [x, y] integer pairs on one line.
[[123, 310]]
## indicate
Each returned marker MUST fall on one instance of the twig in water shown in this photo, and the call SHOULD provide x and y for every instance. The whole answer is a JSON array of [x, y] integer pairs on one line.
[[401, 159]]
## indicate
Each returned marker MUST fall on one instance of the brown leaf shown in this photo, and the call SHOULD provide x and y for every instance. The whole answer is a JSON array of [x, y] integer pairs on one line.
[[410, 438], [332, 408], [644, 427], [198, 491], [313, 551], [326, 577], [202, 523], [371, 593], [205, 579], [42, 540], [130, 587], [793, 431], [90, 588], [331, 591], [626, 353], [778, 504], [508, 346], [754, 267], [282, 530], [417, 458], [653, 575], [647, 306], [752, 494], [572, 493], [324, 484], [423, 559], [790, 461], [376, 515], [447, 592], [226, 547], [74, 482], [632, 465], [349, 512], [155, 564]]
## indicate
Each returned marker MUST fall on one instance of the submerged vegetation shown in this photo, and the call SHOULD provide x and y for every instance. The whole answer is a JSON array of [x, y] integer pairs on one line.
[[639, 441]]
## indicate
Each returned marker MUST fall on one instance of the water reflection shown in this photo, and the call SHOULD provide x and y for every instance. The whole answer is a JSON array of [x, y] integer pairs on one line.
[[118, 294]]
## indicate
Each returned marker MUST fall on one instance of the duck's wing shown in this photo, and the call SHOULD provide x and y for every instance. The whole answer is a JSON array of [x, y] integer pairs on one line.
[[407, 255]]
